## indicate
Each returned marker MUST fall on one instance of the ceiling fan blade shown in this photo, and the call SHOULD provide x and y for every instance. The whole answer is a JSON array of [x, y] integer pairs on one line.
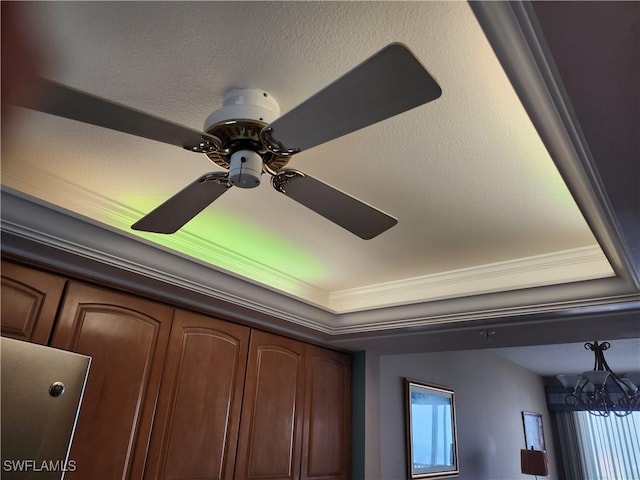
[[390, 82], [67, 102], [170, 216], [350, 213]]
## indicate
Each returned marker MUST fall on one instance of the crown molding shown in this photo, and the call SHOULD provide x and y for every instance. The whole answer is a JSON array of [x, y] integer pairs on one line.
[[612, 318], [579, 264], [59, 239], [560, 267], [601, 294]]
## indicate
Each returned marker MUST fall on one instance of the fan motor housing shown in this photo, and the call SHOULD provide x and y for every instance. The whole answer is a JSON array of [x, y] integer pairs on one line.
[[245, 112], [245, 104]]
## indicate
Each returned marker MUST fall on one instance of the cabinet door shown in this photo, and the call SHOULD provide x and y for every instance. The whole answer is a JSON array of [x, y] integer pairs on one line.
[[196, 428], [30, 299], [327, 419], [270, 438], [126, 337]]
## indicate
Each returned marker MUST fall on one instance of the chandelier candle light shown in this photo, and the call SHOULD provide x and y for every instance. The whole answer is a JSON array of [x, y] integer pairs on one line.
[[600, 391]]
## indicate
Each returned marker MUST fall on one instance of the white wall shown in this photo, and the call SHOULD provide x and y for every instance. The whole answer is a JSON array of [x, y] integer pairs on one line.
[[490, 393]]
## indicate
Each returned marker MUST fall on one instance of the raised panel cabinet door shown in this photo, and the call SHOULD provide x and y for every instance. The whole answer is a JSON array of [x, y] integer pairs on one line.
[[196, 428], [30, 300], [270, 438], [126, 337], [327, 416]]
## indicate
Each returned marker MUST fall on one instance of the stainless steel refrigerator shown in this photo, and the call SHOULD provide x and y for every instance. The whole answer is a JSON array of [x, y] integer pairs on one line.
[[41, 393]]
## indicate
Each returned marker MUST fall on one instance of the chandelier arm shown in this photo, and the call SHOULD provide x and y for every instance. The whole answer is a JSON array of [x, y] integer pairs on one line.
[[619, 383], [622, 387], [629, 403], [574, 400], [598, 349], [598, 404], [613, 395], [600, 361], [594, 348], [602, 347]]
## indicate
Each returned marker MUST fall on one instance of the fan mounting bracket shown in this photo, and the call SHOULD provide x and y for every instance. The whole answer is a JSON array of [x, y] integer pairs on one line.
[[280, 180], [273, 145], [221, 178], [205, 146]]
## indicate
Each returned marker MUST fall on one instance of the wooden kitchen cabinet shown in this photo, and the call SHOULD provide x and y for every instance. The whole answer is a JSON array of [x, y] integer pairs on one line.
[[126, 337], [270, 441], [196, 427], [176, 395], [327, 420], [30, 300]]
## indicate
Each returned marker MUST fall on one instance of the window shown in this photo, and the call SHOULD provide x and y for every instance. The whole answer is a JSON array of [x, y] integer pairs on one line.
[[599, 448]]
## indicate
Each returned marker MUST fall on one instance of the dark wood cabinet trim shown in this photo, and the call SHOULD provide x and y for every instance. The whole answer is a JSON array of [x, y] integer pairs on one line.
[[45, 290]]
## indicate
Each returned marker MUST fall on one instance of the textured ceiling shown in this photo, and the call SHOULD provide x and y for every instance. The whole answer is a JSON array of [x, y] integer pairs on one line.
[[480, 204], [547, 360]]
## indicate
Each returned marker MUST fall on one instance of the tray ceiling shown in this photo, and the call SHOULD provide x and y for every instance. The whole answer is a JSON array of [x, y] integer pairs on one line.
[[481, 206]]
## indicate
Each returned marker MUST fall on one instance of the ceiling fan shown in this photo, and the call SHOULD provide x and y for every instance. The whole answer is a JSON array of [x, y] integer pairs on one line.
[[248, 138]]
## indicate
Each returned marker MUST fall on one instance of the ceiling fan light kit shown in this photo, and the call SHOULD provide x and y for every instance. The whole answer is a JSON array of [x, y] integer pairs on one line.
[[248, 137], [245, 169]]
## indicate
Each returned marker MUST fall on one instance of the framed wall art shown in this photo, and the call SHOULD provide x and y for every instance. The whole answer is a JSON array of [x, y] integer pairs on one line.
[[432, 450], [533, 431]]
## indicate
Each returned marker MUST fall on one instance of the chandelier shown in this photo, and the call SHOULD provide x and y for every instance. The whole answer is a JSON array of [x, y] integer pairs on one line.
[[600, 391]]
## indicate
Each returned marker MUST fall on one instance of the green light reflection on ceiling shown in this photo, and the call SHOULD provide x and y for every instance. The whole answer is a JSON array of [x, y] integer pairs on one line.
[[229, 243]]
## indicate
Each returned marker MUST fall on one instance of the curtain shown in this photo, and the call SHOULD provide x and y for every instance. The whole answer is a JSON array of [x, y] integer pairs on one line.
[[599, 448], [569, 448]]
